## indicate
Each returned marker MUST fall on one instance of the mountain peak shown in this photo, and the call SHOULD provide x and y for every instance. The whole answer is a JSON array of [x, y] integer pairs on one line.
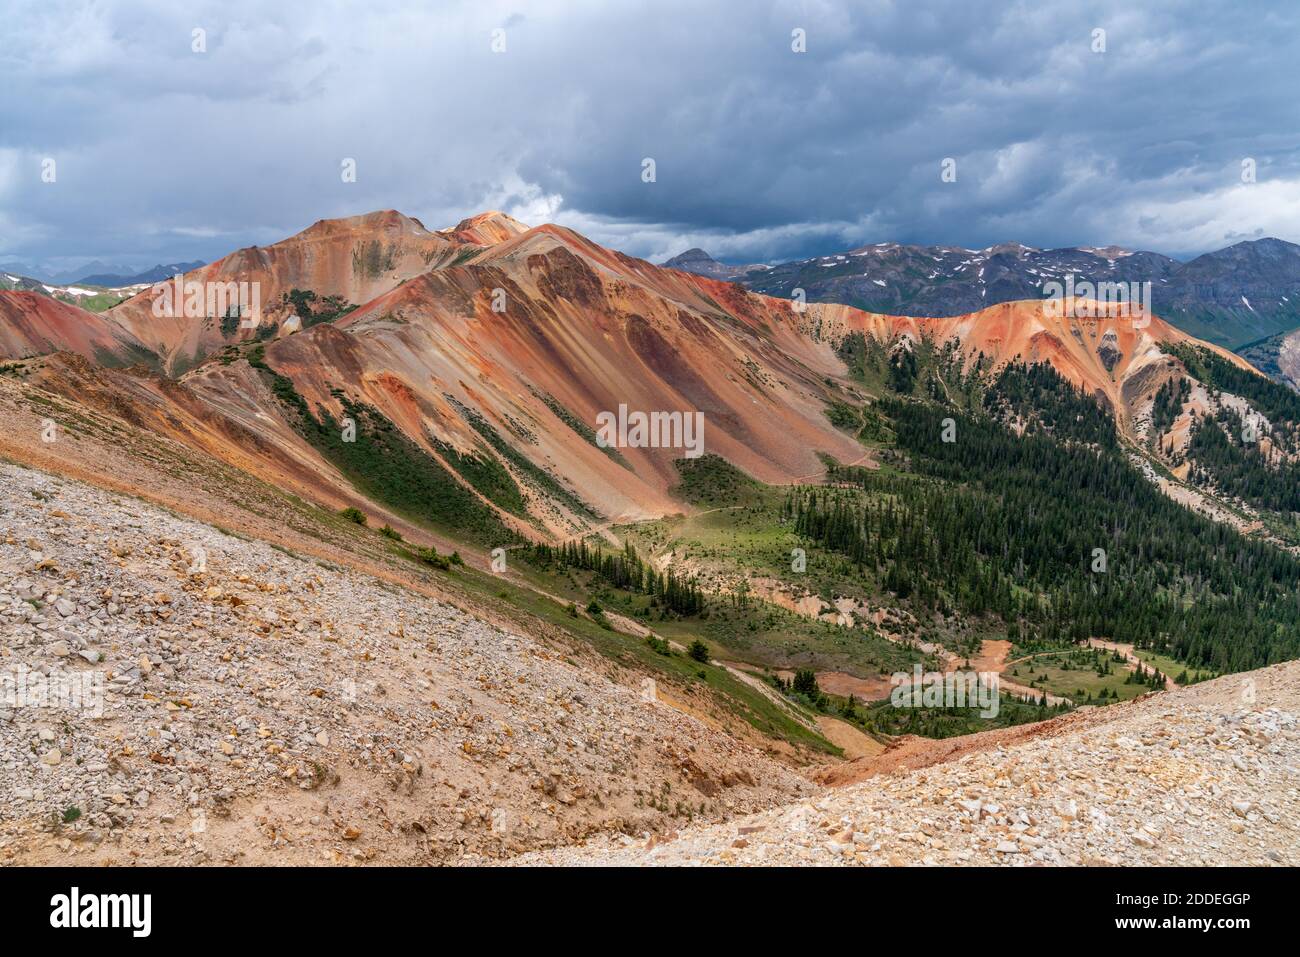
[[696, 260], [693, 255], [486, 228], [380, 220]]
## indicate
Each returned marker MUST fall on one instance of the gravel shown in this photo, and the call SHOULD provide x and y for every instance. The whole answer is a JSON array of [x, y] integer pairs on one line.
[[1207, 775], [257, 706]]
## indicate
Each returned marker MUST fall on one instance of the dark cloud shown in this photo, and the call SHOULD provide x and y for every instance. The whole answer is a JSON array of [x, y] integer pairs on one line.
[[761, 153]]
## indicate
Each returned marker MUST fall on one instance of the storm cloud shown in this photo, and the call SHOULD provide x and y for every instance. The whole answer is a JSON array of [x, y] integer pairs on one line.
[[761, 153]]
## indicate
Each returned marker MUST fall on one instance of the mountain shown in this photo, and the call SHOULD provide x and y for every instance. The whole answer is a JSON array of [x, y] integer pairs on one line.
[[1228, 297], [154, 274], [32, 324], [491, 334], [18, 267], [1276, 356], [1243, 292], [582, 330], [485, 229], [328, 268], [1116, 360], [19, 282], [97, 273], [92, 298], [702, 264], [64, 277]]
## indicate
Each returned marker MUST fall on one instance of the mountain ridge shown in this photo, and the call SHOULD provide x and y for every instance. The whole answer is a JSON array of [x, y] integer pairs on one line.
[[1230, 296], [156, 273]]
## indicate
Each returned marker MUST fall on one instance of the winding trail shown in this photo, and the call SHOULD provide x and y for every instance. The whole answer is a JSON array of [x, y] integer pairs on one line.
[[1127, 651]]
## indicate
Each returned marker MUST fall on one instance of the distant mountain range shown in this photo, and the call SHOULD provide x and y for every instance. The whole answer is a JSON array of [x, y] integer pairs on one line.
[[151, 275], [88, 297], [1233, 296], [1278, 357], [46, 273], [96, 273]]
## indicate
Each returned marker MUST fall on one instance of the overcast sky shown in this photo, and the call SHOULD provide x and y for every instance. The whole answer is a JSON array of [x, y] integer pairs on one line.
[[163, 153]]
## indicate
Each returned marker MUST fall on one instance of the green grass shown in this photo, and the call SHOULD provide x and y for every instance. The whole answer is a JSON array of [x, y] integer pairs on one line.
[[99, 302], [308, 307], [710, 481], [1070, 671], [734, 544], [486, 474], [844, 416], [373, 257], [391, 469], [1170, 667], [882, 718], [751, 630]]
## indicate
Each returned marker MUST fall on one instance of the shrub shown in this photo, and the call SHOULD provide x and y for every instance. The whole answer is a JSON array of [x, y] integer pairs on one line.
[[659, 645], [354, 515], [430, 556], [389, 532], [843, 416], [699, 651]]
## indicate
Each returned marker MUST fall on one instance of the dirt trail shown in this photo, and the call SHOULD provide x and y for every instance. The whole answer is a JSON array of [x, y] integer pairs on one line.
[[865, 460], [844, 684], [1133, 660], [993, 657]]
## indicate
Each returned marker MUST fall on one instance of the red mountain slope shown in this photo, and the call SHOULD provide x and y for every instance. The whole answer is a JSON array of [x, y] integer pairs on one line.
[[32, 324]]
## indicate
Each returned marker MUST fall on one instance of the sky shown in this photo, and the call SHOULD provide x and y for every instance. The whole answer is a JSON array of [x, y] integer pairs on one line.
[[175, 131]]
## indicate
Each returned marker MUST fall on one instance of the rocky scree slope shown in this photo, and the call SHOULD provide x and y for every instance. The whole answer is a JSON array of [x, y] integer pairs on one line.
[[259, 707], [1204, 775]]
